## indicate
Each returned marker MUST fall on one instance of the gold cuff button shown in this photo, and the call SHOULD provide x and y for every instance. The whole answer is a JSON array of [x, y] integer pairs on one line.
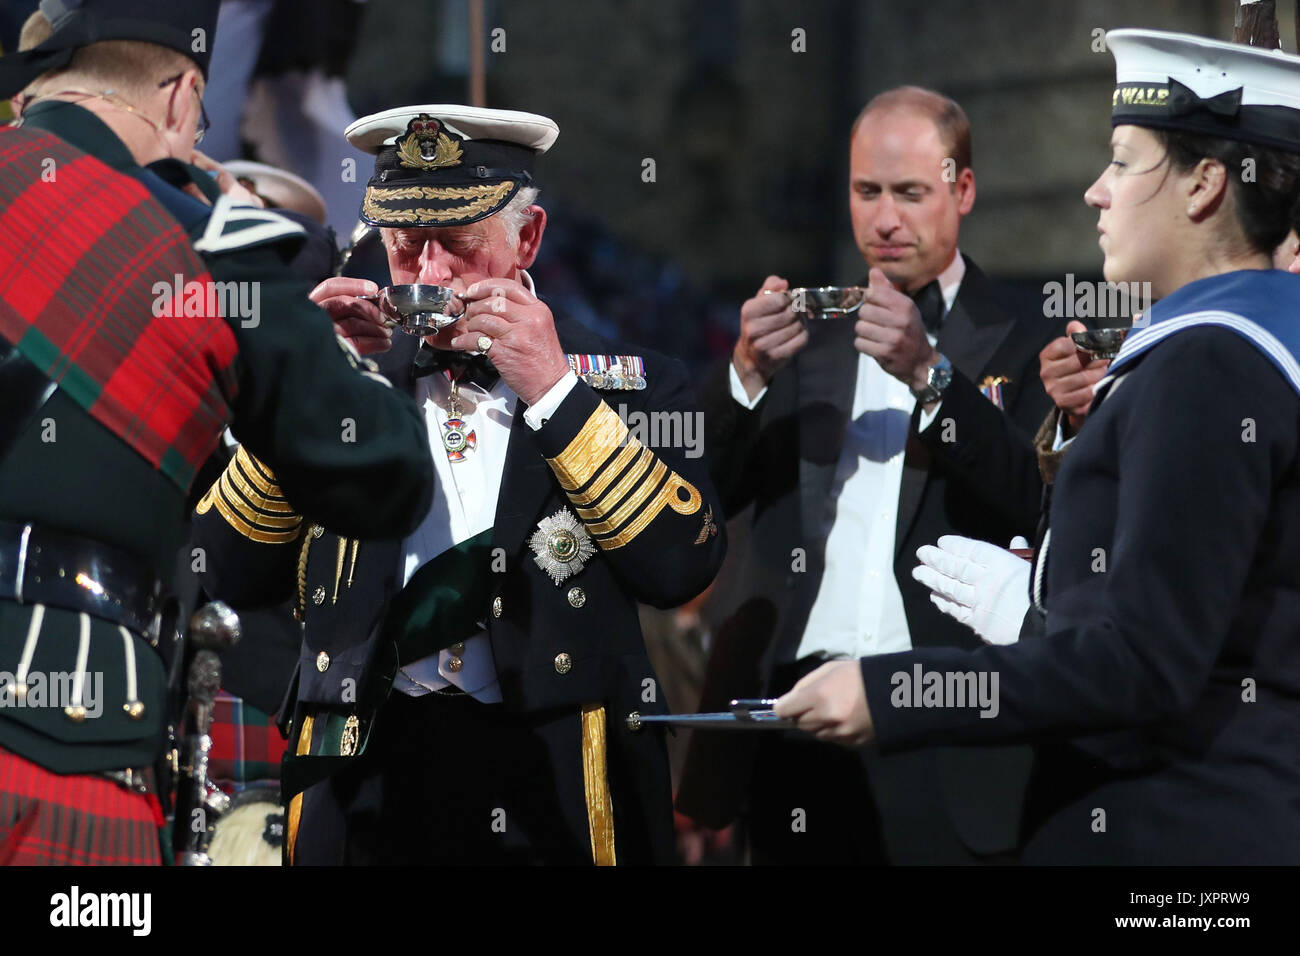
[[496, 607], [322, 662], [563, 663], [455, 664], [318, 596], [457, 649], [577, 597]]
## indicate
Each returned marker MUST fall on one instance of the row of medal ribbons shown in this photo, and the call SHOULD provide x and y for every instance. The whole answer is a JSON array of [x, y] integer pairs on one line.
[[625, 372]]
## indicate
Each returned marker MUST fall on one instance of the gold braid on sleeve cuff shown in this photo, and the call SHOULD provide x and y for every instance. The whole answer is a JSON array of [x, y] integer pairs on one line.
[[617, 485], [249, 499]]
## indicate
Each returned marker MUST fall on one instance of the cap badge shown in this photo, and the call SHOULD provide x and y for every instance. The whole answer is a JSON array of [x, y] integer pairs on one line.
[[427, 145], [561, 545]]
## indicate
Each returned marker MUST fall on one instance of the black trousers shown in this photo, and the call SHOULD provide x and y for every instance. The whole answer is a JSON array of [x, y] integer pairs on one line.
[[446, 779], [818, 803]]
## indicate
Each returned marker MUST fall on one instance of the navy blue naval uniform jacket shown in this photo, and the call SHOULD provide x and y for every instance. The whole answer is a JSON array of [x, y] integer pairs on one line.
[[552, 650], [1163, 688]]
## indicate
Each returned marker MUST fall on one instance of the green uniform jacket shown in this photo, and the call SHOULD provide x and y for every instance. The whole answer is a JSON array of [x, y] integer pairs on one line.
[[331, 431]]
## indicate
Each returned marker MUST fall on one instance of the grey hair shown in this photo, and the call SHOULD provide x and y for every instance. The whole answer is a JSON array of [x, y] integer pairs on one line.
[[515, 213]]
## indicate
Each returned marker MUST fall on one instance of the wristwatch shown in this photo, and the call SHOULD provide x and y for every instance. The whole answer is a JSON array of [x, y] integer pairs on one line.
[[936, 380]]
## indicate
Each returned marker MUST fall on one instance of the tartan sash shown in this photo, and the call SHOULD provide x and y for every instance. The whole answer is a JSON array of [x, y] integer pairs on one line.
[[90, 295]]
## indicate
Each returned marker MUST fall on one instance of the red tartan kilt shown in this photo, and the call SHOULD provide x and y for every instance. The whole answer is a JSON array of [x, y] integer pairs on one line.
[[54, 819]]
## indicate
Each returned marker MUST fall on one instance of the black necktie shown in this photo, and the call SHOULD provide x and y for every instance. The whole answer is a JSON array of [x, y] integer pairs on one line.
[[474, 369], [930, 301]]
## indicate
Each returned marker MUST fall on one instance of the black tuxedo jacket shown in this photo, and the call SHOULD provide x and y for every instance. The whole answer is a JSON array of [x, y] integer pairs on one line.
[[972, 472], [554, 646]]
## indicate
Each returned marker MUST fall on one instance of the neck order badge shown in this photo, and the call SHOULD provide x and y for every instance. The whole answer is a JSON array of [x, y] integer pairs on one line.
[[456, 436]]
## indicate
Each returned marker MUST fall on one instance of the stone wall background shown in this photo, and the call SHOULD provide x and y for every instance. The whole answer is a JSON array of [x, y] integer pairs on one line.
[[749, 137]]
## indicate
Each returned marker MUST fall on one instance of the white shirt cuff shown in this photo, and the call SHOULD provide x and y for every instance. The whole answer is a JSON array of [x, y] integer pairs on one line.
[[536, 415], [738, 390], [927, 418], [1060, 441]]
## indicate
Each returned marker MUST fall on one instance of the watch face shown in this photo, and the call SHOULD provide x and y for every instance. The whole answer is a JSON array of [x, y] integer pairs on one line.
[[940, 375]]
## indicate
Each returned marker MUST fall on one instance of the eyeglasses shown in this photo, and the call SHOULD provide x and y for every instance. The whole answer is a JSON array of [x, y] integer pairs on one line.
[[203, 113]]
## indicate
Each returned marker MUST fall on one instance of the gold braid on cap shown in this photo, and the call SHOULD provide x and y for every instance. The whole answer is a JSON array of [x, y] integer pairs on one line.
[[488, 196]]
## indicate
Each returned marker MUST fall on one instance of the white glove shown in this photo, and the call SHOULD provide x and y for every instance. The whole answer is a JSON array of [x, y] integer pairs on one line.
[[981, 585]]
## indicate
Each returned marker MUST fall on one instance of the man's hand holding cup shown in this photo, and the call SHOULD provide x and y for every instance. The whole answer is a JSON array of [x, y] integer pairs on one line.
[[1069, 375], [770, 335], [518, 331], [359, 321], [889, 329]]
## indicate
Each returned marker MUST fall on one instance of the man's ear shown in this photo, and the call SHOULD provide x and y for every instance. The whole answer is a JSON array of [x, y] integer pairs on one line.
[[530, 237], [180, 98], [965, 190], [1207, 185]]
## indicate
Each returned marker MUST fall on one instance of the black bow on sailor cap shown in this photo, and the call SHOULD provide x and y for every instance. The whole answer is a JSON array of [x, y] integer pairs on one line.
[[1182, 101]]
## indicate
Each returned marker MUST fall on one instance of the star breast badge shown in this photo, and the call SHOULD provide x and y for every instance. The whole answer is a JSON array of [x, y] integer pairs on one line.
[[561, 545]]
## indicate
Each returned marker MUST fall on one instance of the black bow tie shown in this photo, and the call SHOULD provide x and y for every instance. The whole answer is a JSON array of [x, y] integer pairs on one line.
[[930, 301], [465, 368]]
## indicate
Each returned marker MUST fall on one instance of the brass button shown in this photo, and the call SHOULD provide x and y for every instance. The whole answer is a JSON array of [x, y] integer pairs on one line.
[[317, 531], [634, 721], [563, 663], [457, 649], [322, 662], [318, 596], [496, 607], [577, 597], [455, 664]]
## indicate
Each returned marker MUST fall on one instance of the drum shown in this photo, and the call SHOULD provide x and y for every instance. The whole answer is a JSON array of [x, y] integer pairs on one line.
[[251, 833]]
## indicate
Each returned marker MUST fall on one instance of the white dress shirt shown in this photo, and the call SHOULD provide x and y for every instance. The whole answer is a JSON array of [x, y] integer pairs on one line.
[[858, 610], [465, 504]]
